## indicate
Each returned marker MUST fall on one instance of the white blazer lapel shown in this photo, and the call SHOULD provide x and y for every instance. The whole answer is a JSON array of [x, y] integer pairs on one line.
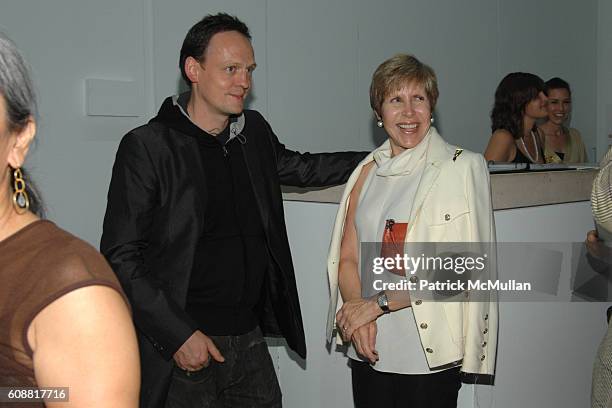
[[436, 152]]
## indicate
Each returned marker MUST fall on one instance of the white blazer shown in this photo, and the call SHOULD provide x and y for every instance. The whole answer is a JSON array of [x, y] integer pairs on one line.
[[452, 204]]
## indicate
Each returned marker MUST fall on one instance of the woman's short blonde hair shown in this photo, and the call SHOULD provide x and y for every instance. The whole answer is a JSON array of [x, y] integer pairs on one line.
[[398, 71]]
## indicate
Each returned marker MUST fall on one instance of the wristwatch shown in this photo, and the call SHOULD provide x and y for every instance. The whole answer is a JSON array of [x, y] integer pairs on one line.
[[383, 301]]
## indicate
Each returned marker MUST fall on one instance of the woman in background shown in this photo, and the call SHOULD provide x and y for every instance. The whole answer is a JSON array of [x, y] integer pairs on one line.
[[562, 144], [519, 102], [64, 321]]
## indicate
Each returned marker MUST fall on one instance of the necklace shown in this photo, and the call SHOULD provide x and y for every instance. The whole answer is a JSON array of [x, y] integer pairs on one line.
[[535, 144]]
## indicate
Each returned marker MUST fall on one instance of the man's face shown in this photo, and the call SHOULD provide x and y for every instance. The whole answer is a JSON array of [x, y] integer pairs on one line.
[[223, 78]]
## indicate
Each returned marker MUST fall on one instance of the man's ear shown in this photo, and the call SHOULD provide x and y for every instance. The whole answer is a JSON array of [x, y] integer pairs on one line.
[[191, 69], [21, 144]]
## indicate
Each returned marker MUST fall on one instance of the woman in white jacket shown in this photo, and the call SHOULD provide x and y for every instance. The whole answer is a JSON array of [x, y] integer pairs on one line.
[[408, 346]]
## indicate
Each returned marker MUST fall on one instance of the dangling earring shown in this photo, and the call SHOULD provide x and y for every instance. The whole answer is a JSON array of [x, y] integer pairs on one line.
[[431, 120], [21, 201], [379, 123]]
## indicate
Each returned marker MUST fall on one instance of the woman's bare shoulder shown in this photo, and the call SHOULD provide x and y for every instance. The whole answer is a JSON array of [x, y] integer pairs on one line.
[[503, 136], [501, 146], [365, 170]]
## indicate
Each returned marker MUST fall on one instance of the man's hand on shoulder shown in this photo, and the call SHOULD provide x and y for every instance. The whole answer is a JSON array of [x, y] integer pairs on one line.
[[195, 353]]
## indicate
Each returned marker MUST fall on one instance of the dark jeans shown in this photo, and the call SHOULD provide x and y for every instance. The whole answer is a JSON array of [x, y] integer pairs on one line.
[[245, 380], [373, 389]]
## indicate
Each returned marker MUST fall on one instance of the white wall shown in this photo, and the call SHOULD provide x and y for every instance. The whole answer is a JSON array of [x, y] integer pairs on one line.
[[66, 41]]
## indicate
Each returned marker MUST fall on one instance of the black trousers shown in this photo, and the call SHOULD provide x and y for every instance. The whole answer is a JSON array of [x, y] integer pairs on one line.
[[245, 380], [373, 389]]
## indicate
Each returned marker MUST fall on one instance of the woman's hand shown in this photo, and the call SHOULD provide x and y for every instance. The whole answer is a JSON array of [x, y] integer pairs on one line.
[[364, 340], [356, 313], [600, 252], [596, 247]]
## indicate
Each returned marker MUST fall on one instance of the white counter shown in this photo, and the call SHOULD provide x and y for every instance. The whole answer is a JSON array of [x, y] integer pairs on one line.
[[507, 190]]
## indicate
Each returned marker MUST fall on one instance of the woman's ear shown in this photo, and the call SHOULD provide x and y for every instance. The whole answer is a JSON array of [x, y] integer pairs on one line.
[[21, 140]]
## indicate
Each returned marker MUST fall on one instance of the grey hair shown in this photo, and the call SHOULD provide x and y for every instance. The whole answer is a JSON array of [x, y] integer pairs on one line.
[[15, 85], [18, 92]]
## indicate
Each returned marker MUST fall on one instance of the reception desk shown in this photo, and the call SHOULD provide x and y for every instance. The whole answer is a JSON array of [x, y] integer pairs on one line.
[[546, 349], [508, 190]]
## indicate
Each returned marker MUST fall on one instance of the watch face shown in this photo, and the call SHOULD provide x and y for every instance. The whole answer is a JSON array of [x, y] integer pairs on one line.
[[383, 302]]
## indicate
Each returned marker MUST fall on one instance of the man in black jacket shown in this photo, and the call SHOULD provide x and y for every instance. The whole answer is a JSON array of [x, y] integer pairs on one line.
[[195, 231]]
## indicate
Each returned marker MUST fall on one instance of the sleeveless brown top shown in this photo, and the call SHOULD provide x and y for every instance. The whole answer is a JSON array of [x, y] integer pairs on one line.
[[39, 264]]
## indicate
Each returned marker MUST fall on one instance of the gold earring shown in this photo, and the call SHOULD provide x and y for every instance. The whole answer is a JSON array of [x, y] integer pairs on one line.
[[21, 201]]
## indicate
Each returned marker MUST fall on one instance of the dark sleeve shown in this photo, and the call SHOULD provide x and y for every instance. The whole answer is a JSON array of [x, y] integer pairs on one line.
[[312, 169], [133, 196]]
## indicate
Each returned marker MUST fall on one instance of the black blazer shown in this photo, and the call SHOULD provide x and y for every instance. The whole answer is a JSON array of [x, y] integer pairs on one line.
[[154, 216]]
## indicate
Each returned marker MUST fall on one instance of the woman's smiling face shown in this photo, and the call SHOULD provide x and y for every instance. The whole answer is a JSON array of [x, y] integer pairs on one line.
[[559, 105], [406, 116]]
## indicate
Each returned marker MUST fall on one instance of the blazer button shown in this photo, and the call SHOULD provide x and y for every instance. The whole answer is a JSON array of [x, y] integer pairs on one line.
[[414, 279], [484, 344], [485, 331], [482, 358], [447, 217], [429, 350], [486, 317], [418, 302], [423, 325]]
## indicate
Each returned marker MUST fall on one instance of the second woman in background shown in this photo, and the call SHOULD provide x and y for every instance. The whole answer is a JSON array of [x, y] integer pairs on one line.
[[519, 102], [563, 144]]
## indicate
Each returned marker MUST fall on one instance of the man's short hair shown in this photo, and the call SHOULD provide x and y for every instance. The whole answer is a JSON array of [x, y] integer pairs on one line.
[[398, 71], [197, 39]]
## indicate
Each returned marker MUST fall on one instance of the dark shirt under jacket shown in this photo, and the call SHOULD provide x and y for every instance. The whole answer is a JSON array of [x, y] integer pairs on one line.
[[231, 257]]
